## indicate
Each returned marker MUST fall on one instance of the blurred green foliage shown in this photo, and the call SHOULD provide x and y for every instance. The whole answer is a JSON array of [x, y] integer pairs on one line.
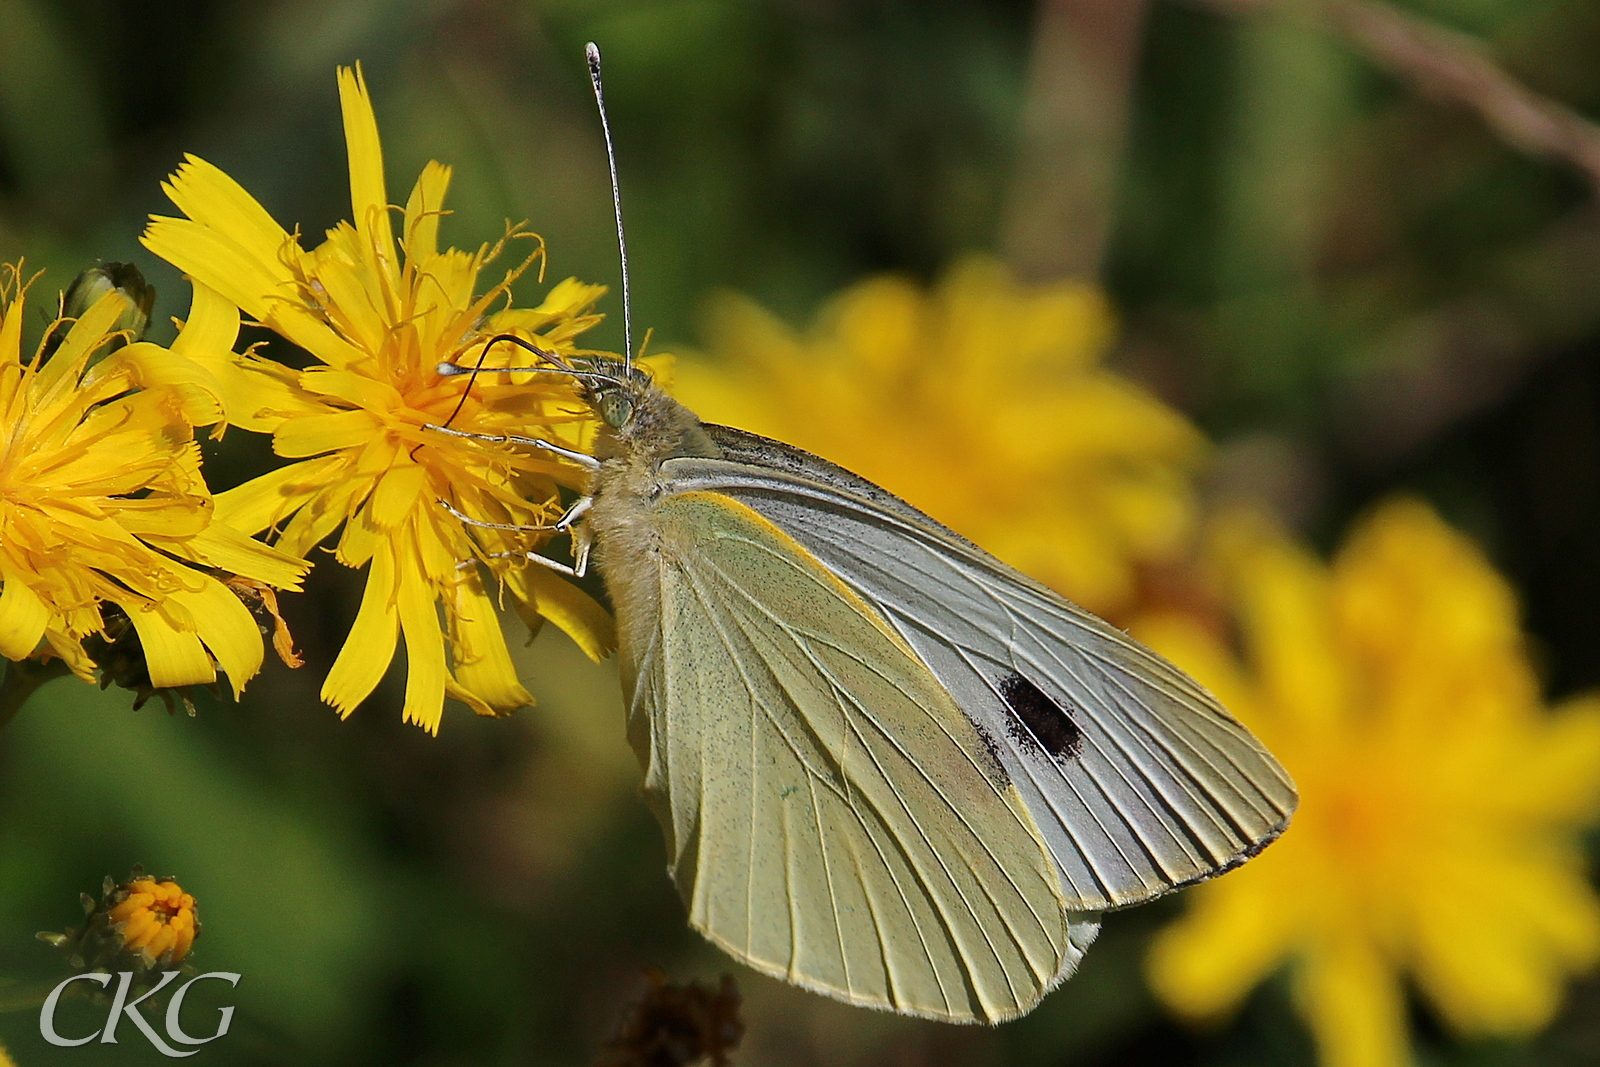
[[1351, 287]]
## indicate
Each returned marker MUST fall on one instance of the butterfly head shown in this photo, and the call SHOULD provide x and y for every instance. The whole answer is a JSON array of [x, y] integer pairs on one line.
[[615, 389]]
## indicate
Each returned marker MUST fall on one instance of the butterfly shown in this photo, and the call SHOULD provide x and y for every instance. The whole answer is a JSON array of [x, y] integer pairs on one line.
[[889, 767]]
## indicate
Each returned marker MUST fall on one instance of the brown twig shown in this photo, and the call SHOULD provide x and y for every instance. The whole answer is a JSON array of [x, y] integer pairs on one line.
[[1452, 66], [1456, 68]]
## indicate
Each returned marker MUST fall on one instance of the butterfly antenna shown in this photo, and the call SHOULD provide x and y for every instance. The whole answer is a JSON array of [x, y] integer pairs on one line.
[[450, 369], [592, 51]]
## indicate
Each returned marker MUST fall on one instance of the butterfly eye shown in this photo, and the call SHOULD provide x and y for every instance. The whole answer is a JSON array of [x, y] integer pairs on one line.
[[616, 408]]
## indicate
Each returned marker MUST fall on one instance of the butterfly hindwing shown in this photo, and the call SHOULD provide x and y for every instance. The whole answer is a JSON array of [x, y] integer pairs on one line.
[[834, 819], [1137, 778]]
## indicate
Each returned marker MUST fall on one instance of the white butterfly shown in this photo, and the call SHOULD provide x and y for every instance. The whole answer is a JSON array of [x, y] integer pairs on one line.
[[889, 767]]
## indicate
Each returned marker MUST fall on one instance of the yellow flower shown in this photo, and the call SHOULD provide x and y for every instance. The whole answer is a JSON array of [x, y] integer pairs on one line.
[[1439, 801], [378, 323], [157, 920], [102, 502], [982, 402]]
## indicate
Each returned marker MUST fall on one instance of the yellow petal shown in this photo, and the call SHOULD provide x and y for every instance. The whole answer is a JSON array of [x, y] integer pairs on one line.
[[1066, 326], [570, 296], [11, 331], [161, 517], [355, 299], [482, 661], [1561, 777], [425, 663], [1353, 1001], [305, 328], [369, 202], [423, 210], [212, 199], [369, 648], [878, 324], [322, 515], [1098, 419], [256, 394], [86, 336], [310, 435], [360, 539], [154, 367], [1234, 934], [23, 617], [212, 328], [358, 390], [70, 649], [174, 657], [1546, 921], [397, 496], [220, 545], [556, 599], [1283, 597], [269, 499], [212, 258], [456, 691], [268, 294], [226, 627]]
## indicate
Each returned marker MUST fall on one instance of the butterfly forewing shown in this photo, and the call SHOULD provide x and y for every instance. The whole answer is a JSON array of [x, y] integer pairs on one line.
[[1137, 778], [834, 818]]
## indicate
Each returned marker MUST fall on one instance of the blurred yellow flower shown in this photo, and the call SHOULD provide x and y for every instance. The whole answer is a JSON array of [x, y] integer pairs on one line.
[[984, 403], [379, 321], [1440, 803], [102, 502]]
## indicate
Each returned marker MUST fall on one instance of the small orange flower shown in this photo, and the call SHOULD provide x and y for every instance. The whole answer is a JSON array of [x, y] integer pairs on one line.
[[157, 920], [144, 923]]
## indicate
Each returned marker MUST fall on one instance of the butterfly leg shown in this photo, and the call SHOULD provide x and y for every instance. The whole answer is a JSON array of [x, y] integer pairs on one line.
[[578, 509], [515, 527], [568, 519], [534, 557], [581, 535], [582, 545], [582, 538], [582, 459]]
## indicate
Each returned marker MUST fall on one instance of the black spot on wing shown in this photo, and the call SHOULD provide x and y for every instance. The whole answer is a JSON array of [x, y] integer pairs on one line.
[[1039, 722], [992, 763]]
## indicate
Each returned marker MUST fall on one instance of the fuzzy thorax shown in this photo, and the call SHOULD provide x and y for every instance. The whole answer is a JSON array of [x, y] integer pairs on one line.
[[628, 544]]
